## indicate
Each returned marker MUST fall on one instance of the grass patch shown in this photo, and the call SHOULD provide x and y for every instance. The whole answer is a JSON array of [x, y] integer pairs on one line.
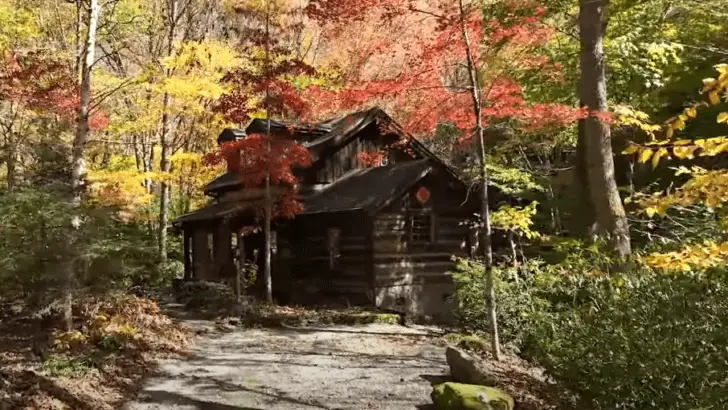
[[276, 316], [471, 342], [66, 366]]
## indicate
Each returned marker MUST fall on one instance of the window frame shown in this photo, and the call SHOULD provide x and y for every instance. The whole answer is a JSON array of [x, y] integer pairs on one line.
[[429, 236]]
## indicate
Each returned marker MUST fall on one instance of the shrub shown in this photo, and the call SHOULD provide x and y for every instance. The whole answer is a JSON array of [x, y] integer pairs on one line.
[[516, 307], [641, 340], [107, 253], [63, 366]]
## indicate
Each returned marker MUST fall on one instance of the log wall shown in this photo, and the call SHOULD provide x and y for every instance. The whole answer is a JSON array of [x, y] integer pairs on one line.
[[410, 271], [318, 273]]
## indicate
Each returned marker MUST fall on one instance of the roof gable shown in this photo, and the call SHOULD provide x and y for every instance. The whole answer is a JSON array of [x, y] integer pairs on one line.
[[326, 137]]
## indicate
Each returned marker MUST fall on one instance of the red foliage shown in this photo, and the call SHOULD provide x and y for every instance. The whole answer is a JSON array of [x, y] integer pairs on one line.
[[43, 84], [258, 155], [423, 89], [371, 159], [263, 85]]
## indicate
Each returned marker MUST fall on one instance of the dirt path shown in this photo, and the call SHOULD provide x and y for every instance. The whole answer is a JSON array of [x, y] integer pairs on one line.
[[372, 366]]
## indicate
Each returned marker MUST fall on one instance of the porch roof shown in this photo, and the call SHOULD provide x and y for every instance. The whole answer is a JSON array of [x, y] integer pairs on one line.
[[211, 212]]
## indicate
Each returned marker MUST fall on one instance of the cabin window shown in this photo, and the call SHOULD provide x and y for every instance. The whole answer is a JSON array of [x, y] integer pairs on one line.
[[333, 237], [421, 226]]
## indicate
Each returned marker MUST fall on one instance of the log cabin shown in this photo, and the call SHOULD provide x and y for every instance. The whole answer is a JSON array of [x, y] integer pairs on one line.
[[375, 234]]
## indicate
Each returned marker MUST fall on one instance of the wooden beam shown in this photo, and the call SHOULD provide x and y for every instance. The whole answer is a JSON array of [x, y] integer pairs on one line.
[[241, 266], [188, 254]]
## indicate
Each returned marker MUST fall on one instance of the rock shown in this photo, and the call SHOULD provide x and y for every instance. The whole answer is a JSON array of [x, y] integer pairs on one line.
[[457, 396], [465, 368]]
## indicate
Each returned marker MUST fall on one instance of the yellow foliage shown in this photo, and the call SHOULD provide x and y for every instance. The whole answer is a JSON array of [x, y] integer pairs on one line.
[[698, 257], [67, 340], [120, 188], [630, 117], [518, 220], [17, 24], [707, 187]]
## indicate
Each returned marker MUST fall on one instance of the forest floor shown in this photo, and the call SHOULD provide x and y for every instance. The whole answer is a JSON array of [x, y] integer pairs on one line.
[[302, 359]]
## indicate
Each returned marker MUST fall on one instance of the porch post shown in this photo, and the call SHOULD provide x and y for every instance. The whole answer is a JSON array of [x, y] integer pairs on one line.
[[188, 254], [241, 266]]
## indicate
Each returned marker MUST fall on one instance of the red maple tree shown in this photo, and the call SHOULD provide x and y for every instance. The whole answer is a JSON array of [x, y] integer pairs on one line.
[[260, 155], [41, 83], [419, 51], [263, 85]]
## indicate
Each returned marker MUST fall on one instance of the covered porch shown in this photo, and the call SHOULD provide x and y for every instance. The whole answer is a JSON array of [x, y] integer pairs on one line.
[[219, 240]]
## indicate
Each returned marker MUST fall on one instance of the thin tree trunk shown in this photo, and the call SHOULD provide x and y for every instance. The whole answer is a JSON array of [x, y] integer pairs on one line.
[[484, 206], [11, 162], [79, 44], [268, 205], [608, 207], [240, 274], [78, 165], [164, 142], [138, 153], [512, 245]]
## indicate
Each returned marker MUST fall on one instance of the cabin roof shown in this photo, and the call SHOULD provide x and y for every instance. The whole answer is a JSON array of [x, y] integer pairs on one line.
[[367, 189], [325, 137], [212, 211]]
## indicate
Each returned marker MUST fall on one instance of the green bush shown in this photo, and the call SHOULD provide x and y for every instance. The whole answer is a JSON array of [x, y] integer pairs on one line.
[[37, 243], [632, 340], [515, 303], [640, 340], [63, 366]]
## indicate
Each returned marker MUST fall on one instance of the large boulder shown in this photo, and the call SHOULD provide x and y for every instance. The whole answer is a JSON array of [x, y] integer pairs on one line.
[[458, 396], [465, 368]]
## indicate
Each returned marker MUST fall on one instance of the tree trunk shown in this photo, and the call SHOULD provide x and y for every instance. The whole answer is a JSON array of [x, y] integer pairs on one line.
[[268, 200], [11, 162], [512, 246], [484, 206], [608, 207], [78, 170], [585, 218], [164, 141], [79, 45], [240, 274]]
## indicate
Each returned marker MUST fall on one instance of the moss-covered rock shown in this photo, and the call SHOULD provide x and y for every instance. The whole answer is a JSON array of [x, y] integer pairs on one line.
[[457, 396]]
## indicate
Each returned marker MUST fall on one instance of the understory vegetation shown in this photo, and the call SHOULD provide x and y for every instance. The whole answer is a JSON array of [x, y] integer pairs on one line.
[[635, 339]]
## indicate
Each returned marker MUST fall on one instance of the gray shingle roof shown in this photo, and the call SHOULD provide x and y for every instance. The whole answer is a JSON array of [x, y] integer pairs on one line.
[[210, 212], [367, 189]]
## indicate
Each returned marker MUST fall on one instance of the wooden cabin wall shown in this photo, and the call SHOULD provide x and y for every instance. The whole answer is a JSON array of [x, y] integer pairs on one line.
[[201, 254], [223, 263], [410, 273], [318, 272], [349, 156]]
